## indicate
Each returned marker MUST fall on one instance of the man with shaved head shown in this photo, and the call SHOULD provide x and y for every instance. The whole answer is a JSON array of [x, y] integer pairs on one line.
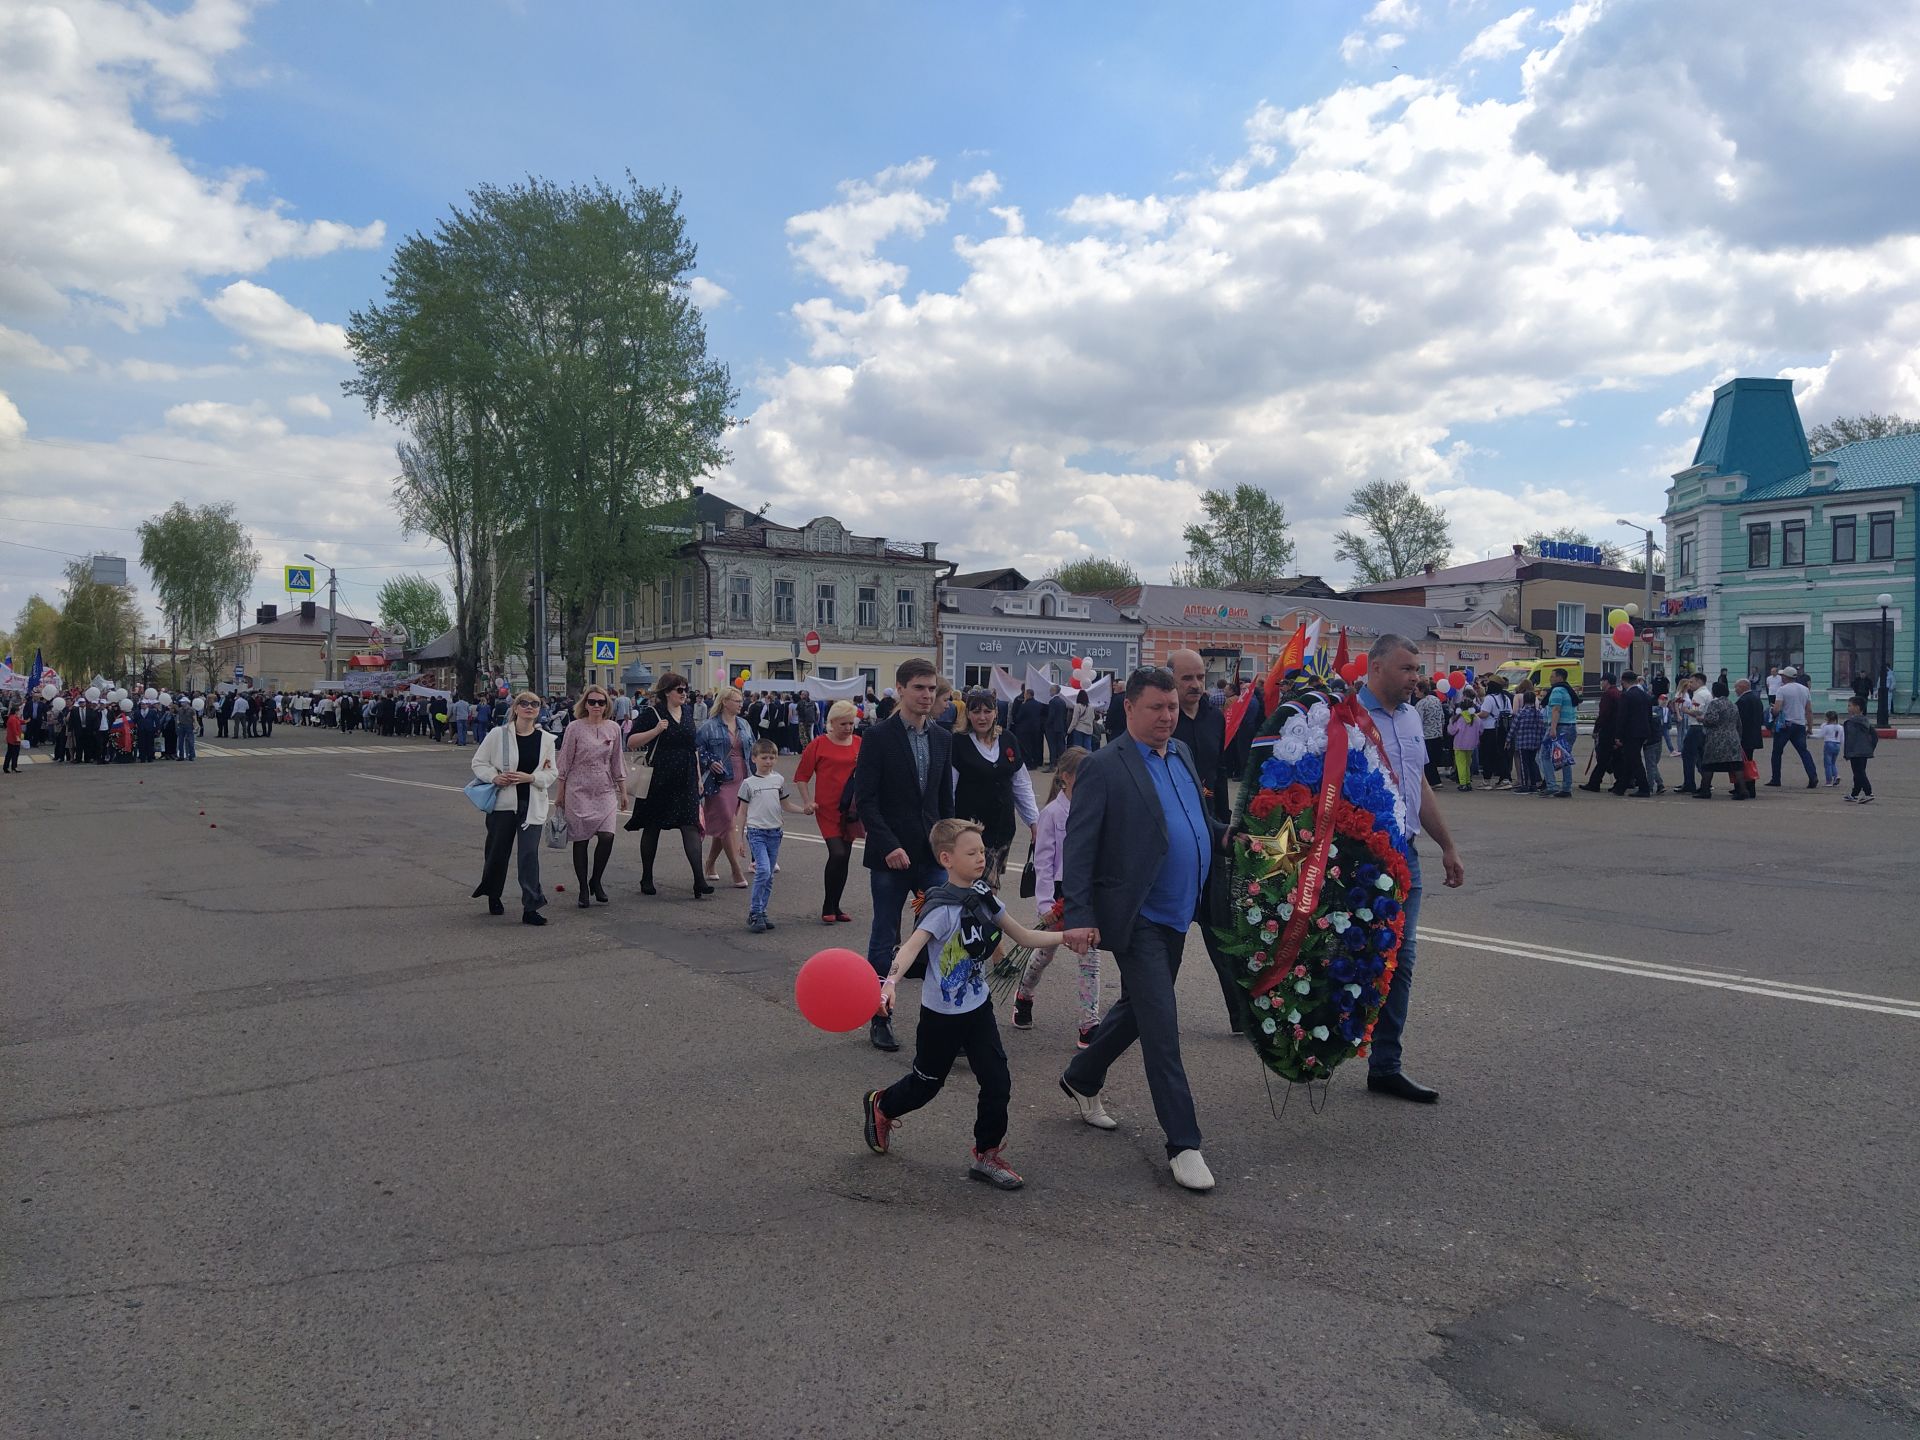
[[1202, 728]]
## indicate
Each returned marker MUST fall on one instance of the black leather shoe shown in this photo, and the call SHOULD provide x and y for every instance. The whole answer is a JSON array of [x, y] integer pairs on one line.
[[532, 917], [1401, 1088], [586, 901], [598, 893], [881, 1033], [494, 907]]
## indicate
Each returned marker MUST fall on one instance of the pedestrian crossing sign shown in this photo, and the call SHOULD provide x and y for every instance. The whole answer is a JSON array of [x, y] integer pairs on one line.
[[606, 649], [299, 579]]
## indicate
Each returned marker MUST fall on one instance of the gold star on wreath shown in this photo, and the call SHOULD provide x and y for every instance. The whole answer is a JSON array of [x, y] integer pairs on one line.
[[1280, 853]]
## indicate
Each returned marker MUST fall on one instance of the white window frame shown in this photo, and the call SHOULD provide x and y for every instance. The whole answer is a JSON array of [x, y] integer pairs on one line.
[[740, 599], [1560, 614], [785, 606], [868, 615], [826, 604], [903, 608]]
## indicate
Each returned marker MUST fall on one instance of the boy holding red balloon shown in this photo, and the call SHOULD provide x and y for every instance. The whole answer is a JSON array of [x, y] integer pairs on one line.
[[961, 925]]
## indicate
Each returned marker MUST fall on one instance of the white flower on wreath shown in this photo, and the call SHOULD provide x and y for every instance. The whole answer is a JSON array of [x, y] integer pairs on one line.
[[1291, 748], [1339, 920]]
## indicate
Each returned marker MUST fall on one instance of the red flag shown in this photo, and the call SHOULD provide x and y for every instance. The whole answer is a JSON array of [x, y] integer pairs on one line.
[[1291, 658], [1340, 656]]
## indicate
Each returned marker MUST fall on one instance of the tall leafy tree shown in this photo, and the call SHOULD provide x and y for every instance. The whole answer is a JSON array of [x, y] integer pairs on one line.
[[202, 565], [556, 326], [1094, 572], [98, 632], [1845, 429], [1241, 537], [33, 629], [415, 603], [1399, 532]]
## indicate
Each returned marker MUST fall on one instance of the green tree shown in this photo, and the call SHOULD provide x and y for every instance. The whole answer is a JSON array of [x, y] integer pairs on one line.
[[1242, 537], [1610, 553], [1094, 572], [202, 565], [1845, 429], [1399, 533], [555, 325], [417, 605], [33, 629], [98, 632]]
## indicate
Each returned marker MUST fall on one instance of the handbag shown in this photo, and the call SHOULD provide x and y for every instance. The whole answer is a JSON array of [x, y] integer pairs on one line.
[[1029, 879], [483, 793], [556, 828], [1750, 770]]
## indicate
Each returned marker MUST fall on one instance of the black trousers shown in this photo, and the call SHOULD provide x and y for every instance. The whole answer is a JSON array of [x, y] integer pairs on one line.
[[504, 835], [1629, 767], [936, 1042], [1149, 963], [13, 759], [1861, 785]]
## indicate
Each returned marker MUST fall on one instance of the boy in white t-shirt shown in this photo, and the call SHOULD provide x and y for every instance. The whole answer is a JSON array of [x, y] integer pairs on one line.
[[961, 926], [1831, 735], [763, 796]]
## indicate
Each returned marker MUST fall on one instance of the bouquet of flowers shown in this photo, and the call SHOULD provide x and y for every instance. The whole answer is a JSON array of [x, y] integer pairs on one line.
[[1317, 883]]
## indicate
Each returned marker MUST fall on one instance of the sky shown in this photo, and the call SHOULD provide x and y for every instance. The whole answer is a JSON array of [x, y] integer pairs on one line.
[[1023, 279]]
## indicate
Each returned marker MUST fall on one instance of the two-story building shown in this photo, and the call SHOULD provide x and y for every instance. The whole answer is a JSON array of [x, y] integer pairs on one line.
[[780, 602], [1038, 624], [1777, 557]]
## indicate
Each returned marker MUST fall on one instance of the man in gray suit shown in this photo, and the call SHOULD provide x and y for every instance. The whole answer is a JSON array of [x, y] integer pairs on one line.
[[1140, 841]]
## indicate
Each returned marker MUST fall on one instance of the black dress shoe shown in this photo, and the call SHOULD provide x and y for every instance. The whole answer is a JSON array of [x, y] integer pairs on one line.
[[532, 917], [646, 887], [586, 901], [1401, 1088], [881, 1033], [494, 907], [598, 893]]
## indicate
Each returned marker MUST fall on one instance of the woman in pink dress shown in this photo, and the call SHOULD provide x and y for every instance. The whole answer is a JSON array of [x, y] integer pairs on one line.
[[726, 750], [593, 787]]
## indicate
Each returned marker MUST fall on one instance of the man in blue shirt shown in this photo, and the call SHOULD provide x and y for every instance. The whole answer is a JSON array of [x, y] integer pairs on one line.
[[1393, 669], [1139, 846]]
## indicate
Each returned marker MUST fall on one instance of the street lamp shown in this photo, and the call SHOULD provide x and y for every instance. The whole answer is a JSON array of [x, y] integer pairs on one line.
[[333, 609], [1646, 607], [1883, 600]]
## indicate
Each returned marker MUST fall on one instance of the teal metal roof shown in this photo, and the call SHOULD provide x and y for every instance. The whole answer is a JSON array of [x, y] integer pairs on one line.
[[1754, 430], [1863, 465]]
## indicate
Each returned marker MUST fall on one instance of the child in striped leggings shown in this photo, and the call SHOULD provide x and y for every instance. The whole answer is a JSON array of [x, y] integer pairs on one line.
[[1049, 839]]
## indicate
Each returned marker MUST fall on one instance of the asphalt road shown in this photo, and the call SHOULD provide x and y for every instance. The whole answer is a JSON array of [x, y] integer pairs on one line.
[[299, 1142]]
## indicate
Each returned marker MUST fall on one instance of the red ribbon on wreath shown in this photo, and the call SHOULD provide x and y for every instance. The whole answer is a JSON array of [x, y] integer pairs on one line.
[[1313, 870]]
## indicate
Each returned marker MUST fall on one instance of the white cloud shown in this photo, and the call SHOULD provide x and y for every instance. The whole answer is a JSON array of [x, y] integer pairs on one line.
[[269, 319], [161, 371], [224, 421], [980, 189], [309, 405], [706, 294], [1500, 38], [100, 212], [1393, 12], [1361, 46], [19, 348], [838, 243], [1385, 265], [13, 425]]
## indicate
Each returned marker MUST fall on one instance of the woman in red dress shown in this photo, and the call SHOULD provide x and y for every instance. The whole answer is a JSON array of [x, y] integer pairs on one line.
[[828, 761]]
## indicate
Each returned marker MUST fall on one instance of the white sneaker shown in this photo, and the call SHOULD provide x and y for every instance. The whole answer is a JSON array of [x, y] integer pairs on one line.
[[1190, 1171], [1091, 1110]]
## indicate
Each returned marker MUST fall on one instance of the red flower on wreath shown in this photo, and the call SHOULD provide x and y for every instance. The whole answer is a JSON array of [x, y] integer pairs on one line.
[[1264, 804], [1296, 799]]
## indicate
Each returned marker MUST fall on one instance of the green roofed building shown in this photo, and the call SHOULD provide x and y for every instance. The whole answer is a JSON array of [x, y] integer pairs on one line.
[[1776, 557]]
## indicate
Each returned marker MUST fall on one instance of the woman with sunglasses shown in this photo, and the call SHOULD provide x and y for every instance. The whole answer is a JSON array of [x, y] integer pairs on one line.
[[593, 788], [990, 780], [672, 801], [518, 759]]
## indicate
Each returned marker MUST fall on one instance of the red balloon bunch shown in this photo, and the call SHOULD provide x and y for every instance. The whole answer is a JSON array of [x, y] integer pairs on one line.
[[837, 990]]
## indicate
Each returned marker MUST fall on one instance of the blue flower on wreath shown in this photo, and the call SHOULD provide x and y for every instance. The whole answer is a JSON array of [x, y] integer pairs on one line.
[[1367, 874], [1308, 770], [1276, 774], [1344, 969], [1385, 908], [1356, 762], [1357, 940], [1358, 898], [1382, 939], [1353, 1027]]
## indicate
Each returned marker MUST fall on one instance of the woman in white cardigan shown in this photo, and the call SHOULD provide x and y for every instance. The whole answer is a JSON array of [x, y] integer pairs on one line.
[[519, 759]]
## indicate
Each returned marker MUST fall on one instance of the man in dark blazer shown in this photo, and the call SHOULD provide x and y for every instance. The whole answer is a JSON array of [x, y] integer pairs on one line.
[[1140, 844], [902, 785], [1202, 728], [1634, 721], [1606, 737], [1753, 718], [1028, 721], [1059, 712]]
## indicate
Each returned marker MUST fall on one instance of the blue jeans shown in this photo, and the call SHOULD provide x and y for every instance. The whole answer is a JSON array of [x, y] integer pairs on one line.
[[460, 730], [1830, 756], [765, 845], [1565, 735], [891, 890], [185, 747], [1384, 1056], [1787, 733]]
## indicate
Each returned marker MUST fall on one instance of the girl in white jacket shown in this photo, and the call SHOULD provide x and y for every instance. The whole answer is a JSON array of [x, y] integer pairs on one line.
[[1049, 855]]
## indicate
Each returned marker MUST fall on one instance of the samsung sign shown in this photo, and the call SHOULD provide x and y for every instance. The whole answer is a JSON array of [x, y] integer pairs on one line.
[[1564, 550]]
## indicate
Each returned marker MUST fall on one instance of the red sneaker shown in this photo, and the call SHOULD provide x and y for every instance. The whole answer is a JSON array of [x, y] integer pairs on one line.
[[990, 1167], [879, 1127]]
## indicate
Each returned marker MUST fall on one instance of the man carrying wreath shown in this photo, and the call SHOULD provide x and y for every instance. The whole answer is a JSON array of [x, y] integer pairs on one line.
[[1393, 670]]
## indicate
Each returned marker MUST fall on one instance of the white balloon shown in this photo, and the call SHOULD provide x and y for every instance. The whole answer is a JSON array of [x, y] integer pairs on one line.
[[47, 692], [199, 704], [93, 692], [125, 706], [59, 704], [149, 694]]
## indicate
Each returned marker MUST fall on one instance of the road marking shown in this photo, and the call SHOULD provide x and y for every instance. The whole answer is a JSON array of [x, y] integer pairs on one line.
[[417, 784], [1679, 975]]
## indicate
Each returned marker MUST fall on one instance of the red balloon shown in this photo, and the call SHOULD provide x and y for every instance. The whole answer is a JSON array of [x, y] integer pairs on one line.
[[837, 990], [1457, 678], [1623, 635], [1353, 670]]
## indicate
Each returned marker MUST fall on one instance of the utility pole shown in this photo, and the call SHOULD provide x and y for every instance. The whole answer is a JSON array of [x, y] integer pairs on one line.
[[1646, 607], [537, 670], [333, 613]]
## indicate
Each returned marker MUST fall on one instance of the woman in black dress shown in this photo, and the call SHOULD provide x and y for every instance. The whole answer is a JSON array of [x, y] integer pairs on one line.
[[672, 801]]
